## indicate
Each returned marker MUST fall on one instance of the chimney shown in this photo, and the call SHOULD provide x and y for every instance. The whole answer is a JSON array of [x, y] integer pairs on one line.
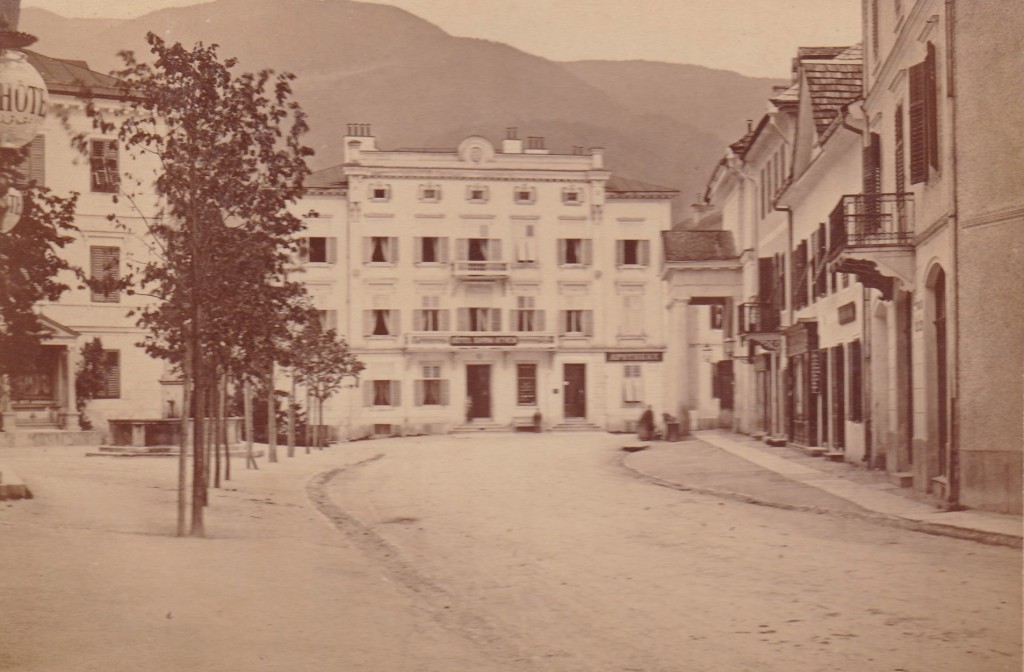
[[512, 144], [597, 158], [358, 138], [535, 145]]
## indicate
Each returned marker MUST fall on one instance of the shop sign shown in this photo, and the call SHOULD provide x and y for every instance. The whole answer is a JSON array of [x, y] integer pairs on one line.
[[634, 356], [847, 313], [815, 371], [483, 340], [23, 99]]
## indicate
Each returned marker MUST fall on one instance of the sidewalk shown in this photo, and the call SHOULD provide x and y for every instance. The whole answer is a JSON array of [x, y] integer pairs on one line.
[[734, 465]]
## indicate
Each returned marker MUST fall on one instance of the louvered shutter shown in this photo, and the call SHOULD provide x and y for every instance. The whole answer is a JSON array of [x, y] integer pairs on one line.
[[105, 265], [588, 322], [33, 167], [494, 251], [620, 252], [332, 250], [919, 153], [367, 323], [538, 316], [872, 165], [645, 252], [445, 320], [393, 250], [462, 319], [417, 250], [368, 386], [462, 249], [111, 374], [561, 250], [417, 392], [932, 106], [367, 249], [394, 322], [444, 393], [396, 393], [495, 319], [765, 279], [588, 251], [442, 250], [563, 322]]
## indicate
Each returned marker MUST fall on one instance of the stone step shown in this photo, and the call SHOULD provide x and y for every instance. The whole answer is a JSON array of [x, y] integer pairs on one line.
[[903, 479], [12, 487], [835, 455], [813, 451]]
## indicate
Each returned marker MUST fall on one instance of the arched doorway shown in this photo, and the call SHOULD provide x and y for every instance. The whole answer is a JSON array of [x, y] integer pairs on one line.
[[884, 452], [937, 372]]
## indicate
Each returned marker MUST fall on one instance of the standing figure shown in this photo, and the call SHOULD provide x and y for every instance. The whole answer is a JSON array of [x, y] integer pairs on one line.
[[645, 428]]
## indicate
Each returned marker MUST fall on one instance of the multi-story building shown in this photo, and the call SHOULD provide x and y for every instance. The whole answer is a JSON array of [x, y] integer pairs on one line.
[[109, 236], [872, 209], [482, 284]]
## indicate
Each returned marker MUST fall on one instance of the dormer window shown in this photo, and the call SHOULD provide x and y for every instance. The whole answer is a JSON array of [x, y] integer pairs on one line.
[[477, 193], [380, 193], [572, 195], [430, 193], [525, 195]]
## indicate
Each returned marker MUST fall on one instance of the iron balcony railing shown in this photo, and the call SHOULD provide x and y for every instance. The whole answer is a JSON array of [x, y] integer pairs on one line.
[[478, 269], [871, 220], [759, 317]]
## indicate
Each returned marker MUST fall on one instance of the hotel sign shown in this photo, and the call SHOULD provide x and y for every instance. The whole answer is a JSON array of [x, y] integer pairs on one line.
[[483, 340], [634, 356]]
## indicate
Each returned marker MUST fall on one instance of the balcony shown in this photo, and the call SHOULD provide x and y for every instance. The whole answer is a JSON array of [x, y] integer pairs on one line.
[[480, 339], [872, 236], [481, 270]]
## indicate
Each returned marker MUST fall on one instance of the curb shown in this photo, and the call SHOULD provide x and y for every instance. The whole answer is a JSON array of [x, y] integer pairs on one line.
[[935, 529]]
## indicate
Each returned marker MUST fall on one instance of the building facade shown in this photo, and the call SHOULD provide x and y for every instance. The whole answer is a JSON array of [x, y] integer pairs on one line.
[[483, 284], [109, 238]]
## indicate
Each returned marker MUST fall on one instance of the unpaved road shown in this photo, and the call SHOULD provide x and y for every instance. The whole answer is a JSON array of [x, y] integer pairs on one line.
[[551, 557]]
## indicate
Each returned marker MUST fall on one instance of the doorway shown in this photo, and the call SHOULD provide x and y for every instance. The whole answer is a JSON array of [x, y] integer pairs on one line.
[[478, 391], [838, 398], [575, 390]]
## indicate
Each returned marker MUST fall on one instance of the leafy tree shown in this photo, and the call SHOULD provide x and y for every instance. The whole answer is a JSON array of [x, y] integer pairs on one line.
[[90, 377], [230, 162], [30, 266], [321, 362]]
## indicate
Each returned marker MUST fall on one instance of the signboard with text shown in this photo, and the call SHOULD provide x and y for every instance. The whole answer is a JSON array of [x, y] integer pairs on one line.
[[483, 340], [634, 356]]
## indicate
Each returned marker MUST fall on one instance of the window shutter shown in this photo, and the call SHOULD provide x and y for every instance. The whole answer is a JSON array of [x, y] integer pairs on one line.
[[495, 319], [444, 393], [538, 316], [417, 249], [919, 152], [396, 392], [563, 322], [462, 316], [872, 165], [588, 322], [445, 321], [561, 250], [620, 252], [33, 168], [368, 392], [332, 319], [442, 250], [419, 320], [367, 249], [112, 374], [765, 279], [395, 322], [588, 251], [645, 253], [495, 252], [417, 392], [461, 249], [105, 264], [932, 105], [367, 322], [393, 250], [332, 250]]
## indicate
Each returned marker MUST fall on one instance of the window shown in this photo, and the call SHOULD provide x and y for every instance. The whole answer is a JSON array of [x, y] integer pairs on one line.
[[380, 322], [722, 383], [382, 393], [632, 315], [632, 385], [320, 250], [525, 195], [430, 390], [526, 384], [380, 193], [380, 250], [105, 272], [430, 317], [574, 251], [874, 29], [717, 316], [577, 322], [478, 249], [526, 246], [572, 195], [328, 319], [430, 193], [924, 132], [632, 252], [33, 168], [431, 250], [856, 412], [103, 164], [526, 317], [479, 319], [111, 375], [477, 193]]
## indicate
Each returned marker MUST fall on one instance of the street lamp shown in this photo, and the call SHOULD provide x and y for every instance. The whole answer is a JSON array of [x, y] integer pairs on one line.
[[23, 99]]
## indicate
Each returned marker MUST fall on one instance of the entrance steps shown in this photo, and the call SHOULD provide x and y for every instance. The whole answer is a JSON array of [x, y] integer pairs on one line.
[[576, 425], [50, 437]]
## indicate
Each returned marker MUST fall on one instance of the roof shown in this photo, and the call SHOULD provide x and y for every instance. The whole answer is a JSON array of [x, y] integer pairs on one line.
[[698, 245], [833, 80], [71, 77], [622, 187], [328, 178], [786, 95]]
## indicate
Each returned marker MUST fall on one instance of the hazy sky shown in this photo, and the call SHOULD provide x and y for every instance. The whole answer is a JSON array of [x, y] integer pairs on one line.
[[755, 37]]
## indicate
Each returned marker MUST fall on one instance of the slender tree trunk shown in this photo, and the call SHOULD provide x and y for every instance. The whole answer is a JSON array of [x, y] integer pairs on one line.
[[250, 459], [186, 405], [209, 436], [271, 417], [320, 423], [198, 444], [291, 417], [218, 423], [224, 426], [309, 419]]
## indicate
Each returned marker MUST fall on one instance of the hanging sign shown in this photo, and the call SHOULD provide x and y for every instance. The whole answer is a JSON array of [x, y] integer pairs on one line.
[[23, 100]]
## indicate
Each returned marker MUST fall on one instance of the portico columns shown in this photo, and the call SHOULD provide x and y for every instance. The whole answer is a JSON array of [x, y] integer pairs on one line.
[[69, 417], [679, 397]]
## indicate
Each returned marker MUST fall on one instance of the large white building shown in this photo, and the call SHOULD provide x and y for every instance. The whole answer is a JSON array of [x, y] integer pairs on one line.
[[481, 284]]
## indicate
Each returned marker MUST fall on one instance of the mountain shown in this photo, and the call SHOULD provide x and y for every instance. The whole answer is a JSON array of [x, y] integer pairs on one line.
[[421, 87]]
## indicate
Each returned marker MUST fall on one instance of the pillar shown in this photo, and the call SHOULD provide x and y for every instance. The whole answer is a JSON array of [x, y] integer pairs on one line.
[[69, 416]]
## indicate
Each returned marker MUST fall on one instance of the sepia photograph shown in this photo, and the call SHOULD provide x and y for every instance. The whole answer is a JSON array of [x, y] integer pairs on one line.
[[511, 335]]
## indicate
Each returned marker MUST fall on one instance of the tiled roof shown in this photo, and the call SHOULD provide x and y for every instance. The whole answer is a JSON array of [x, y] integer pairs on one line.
[[328, 178], [72, 77], [834, 81], [698, 245], [623, 187], [786, 95], [740, 146]]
